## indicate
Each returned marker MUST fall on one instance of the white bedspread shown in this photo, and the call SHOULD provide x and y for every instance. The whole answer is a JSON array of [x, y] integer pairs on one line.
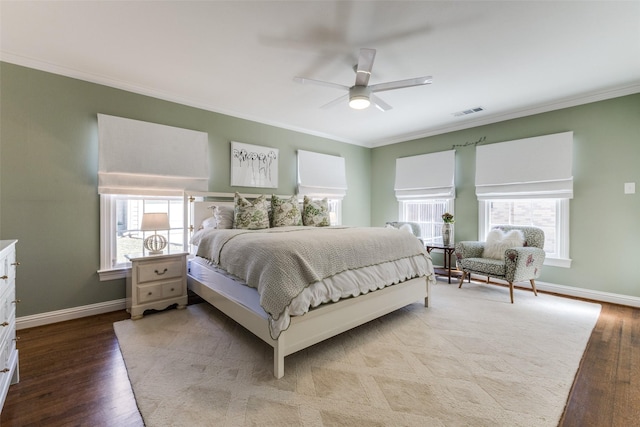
[[295, 268]]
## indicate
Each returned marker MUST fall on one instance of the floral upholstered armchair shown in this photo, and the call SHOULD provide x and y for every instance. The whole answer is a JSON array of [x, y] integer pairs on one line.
[[511, 253]]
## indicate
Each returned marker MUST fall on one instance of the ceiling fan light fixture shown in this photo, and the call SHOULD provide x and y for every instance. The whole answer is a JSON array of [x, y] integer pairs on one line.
[[359, 97], [359, 102]]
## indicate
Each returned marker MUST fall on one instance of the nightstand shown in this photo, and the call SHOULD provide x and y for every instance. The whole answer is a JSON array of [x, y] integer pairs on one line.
[[155, 282]]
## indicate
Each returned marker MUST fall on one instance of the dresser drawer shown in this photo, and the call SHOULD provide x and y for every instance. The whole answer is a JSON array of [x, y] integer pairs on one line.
[[7, 346], [153, 271], [8, 305]]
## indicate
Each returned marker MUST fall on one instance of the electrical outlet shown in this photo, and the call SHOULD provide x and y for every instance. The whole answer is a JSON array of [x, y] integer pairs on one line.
[[629, 188]]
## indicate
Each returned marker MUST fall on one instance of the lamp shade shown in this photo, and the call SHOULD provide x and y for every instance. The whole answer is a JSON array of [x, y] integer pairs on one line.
[[154, 221]]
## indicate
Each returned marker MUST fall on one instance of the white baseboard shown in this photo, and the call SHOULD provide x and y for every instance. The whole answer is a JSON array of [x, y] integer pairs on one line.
[[41, 319], [109, 306], [590, 294]]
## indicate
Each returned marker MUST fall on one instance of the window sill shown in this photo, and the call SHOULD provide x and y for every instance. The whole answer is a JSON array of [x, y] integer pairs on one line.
[[114, 274], [558, 262]]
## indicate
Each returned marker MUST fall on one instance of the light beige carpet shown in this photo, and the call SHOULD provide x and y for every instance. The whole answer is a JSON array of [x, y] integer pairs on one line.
[[470, 359]]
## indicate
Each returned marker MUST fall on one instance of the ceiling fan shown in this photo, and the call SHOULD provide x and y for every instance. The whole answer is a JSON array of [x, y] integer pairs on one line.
[[361, 95]]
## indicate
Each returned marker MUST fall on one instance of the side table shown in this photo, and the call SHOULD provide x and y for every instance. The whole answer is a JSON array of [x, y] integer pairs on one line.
[[446, 269], [156, 282]]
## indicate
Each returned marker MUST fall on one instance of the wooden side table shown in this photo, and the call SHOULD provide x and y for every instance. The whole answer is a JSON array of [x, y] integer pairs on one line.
[[446, 269], [156, 282]]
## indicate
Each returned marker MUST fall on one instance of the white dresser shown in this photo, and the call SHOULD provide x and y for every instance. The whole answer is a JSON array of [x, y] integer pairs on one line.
[[156, 282], [8, 352]]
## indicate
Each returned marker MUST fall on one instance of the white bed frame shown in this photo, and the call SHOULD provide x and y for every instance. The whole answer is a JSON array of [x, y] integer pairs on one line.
[[318, 324]]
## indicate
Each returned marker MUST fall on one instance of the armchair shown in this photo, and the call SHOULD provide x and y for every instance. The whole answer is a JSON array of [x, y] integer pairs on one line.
[[517, 264]]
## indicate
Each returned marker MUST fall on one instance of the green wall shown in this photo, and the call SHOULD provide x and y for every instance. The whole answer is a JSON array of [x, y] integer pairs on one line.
[[49, 200], [604, 222], [48, 176]]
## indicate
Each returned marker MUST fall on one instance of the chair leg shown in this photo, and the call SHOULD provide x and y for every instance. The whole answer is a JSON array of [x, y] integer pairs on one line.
[[511, 291], [464, 274], [533, 285]]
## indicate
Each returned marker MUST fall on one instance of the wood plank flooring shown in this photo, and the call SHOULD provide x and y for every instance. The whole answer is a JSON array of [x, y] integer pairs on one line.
[[72, 374]]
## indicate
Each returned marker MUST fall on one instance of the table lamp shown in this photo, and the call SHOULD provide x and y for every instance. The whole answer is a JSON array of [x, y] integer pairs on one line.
[[154, 222]]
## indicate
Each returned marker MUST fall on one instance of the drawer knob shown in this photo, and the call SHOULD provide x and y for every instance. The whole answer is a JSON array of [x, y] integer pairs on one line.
[[4, 324], [18, 301], [150, 293], [5, 277], [5, 370], [160, 274], [15, 263]]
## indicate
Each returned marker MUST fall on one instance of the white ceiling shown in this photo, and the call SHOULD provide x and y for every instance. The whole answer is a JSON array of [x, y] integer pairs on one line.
[[513, 58]]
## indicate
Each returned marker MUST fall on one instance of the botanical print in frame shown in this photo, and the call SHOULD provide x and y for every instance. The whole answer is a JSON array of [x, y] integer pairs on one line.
[[253, 166]]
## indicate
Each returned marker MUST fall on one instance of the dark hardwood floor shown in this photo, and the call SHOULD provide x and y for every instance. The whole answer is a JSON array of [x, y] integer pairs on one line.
[[72, 374]]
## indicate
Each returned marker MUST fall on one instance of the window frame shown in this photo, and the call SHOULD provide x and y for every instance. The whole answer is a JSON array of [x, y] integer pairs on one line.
[[108, 233], [559, 259], [437, 238]]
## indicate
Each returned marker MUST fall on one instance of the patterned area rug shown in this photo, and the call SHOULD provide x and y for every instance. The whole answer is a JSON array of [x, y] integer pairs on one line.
[[472, 358]]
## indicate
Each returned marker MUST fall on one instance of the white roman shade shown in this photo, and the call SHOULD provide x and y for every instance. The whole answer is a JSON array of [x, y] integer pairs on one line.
[[150, 159], [427, 176], [539, 167], [321, 175]]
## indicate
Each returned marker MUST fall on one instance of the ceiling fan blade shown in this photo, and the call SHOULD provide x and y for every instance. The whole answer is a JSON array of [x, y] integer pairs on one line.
[[340, 100], [365, 64], [417, 81], [305, 81], [379, 103]]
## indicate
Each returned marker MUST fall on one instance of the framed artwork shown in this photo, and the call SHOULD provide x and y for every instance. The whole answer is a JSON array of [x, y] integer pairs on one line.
[[253, 166]]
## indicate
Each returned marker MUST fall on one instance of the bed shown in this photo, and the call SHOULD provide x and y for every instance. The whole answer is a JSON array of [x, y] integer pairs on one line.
[[327, 279]]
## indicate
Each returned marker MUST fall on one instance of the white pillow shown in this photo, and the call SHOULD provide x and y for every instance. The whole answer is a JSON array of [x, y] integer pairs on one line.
[[210, 222], [224, 216], [498, 241], [407, 228]]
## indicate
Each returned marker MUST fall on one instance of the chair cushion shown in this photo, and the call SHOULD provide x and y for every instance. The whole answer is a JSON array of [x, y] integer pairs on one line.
[[484, 266], [498, 242]]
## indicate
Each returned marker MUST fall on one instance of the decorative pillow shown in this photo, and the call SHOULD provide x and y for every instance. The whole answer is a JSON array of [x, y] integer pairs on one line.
[[251, 216], [210, 222], [498, 241], [224, 216], [285, 211], [315, 212], [407, 228]]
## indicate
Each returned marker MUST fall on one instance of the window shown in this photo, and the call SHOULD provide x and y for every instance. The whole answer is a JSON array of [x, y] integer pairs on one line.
[[335, 211], [528, 182], [144, 167], [551, 215], [428, 214], [425, 189], [323, 175], [121, 216]]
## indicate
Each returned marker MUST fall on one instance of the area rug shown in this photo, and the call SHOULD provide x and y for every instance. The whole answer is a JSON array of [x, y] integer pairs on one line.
[[472, 358]]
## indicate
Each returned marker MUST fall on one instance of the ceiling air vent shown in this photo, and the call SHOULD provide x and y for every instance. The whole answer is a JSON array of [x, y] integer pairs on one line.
[[469, 111]]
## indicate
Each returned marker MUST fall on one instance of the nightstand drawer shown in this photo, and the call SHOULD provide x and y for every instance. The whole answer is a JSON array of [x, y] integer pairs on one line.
[[161, 291], [153, 271], [172, 289], [149, 293]]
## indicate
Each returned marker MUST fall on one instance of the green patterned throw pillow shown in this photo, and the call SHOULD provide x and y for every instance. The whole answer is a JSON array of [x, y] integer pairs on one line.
[[251, 216], [285, 211], [315, 212]]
